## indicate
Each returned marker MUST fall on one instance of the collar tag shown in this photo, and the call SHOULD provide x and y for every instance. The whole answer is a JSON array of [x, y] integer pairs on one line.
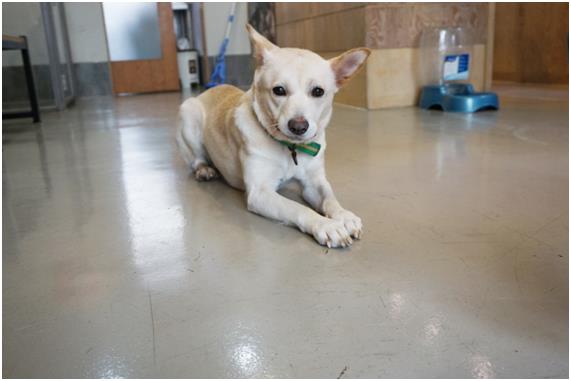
[[311, 148], [293, 153]]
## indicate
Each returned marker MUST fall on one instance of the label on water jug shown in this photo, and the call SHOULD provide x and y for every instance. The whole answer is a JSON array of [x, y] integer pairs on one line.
[[456, 67]]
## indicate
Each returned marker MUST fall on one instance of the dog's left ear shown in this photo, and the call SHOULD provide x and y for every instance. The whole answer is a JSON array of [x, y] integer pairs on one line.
[[261, 46], [348, 64]]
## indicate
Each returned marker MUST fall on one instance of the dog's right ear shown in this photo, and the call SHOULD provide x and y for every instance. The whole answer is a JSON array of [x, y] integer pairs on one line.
[[348, 64], [261, 47]]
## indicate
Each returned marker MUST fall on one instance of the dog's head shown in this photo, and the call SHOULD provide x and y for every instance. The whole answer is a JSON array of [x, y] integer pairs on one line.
[[293, 88]]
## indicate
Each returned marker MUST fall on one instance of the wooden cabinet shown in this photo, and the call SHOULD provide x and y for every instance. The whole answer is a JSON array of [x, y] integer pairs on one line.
[[532, 42]]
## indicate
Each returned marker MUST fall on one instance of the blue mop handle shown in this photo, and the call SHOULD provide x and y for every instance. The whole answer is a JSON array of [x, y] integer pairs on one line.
[[219, 75], [230, 21], [227, 33]]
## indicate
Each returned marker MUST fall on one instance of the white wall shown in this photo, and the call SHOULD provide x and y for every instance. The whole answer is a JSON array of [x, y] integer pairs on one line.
[[24, 19], [215, 19], [85, 26], [86, 32]]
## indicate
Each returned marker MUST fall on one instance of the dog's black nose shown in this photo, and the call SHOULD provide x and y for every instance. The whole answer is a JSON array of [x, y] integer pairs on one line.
[[298, 126]]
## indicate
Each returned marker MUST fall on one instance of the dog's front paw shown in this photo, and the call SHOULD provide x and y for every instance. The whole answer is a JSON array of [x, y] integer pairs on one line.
[[351, 222], [331, 233]]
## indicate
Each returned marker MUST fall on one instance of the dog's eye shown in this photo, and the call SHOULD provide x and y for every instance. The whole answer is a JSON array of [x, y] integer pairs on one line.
[[317, 92], [279, 91]]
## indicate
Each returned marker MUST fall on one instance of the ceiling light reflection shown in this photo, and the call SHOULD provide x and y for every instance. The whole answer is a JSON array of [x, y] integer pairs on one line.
[[246, 359], [482, 367]]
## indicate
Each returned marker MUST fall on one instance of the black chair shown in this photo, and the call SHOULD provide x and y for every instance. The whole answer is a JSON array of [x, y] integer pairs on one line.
[[21, 43]]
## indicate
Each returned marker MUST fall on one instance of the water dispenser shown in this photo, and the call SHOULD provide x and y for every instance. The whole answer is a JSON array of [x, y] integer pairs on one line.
[[445, 68]]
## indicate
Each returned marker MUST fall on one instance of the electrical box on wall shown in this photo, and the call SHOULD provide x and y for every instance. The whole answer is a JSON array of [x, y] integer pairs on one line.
[[188, 68], [187, 56]]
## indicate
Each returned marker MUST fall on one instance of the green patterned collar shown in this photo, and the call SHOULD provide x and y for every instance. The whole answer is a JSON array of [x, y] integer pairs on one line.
[[311, 148]]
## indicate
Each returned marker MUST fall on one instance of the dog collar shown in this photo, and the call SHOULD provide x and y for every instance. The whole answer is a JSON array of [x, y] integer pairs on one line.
[[311, 148]]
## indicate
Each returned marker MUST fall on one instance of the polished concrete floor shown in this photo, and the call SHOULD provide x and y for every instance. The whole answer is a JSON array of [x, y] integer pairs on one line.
[[117, 264]]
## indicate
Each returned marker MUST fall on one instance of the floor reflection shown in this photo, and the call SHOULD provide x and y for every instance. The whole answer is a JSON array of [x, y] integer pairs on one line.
[[155, 219]]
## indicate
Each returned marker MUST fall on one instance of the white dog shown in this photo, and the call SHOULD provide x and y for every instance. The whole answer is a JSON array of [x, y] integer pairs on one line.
[[274, 132]]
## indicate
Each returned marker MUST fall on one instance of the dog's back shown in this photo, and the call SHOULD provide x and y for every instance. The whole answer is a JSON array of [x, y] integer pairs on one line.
[[218, 100]]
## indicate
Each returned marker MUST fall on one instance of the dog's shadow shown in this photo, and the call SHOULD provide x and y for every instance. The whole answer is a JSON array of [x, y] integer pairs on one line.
[[218, 201]]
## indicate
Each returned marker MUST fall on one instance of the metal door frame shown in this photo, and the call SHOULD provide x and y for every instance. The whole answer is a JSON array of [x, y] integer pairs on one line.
[[56, 71]]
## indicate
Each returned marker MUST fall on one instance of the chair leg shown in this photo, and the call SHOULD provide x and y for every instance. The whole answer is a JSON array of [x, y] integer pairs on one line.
[[30, 82]]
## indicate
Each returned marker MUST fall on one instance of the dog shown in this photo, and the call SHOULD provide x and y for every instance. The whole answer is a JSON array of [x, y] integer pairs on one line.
[[274, 132]]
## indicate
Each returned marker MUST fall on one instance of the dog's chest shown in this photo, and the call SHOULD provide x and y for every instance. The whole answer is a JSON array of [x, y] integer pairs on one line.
[[290, 169]]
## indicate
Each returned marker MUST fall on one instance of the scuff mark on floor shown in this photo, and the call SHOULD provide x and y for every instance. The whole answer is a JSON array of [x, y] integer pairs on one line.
[[342, 372], [153, 328], [383, 301]]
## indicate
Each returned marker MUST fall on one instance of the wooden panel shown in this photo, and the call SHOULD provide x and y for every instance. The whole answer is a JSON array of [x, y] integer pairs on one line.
[[545, 53], [143, 76], [377, 26], [289, 12], [392, 77], [329, 33], [531, 42], [532, 91], [507, 43], [490, 47], [391, 26]]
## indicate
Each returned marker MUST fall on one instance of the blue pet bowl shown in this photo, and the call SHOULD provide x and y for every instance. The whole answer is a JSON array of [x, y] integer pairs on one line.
[[459, 97]]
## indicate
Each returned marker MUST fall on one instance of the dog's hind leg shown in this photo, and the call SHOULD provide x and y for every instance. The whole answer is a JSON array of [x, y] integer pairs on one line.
[[189, 138]]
